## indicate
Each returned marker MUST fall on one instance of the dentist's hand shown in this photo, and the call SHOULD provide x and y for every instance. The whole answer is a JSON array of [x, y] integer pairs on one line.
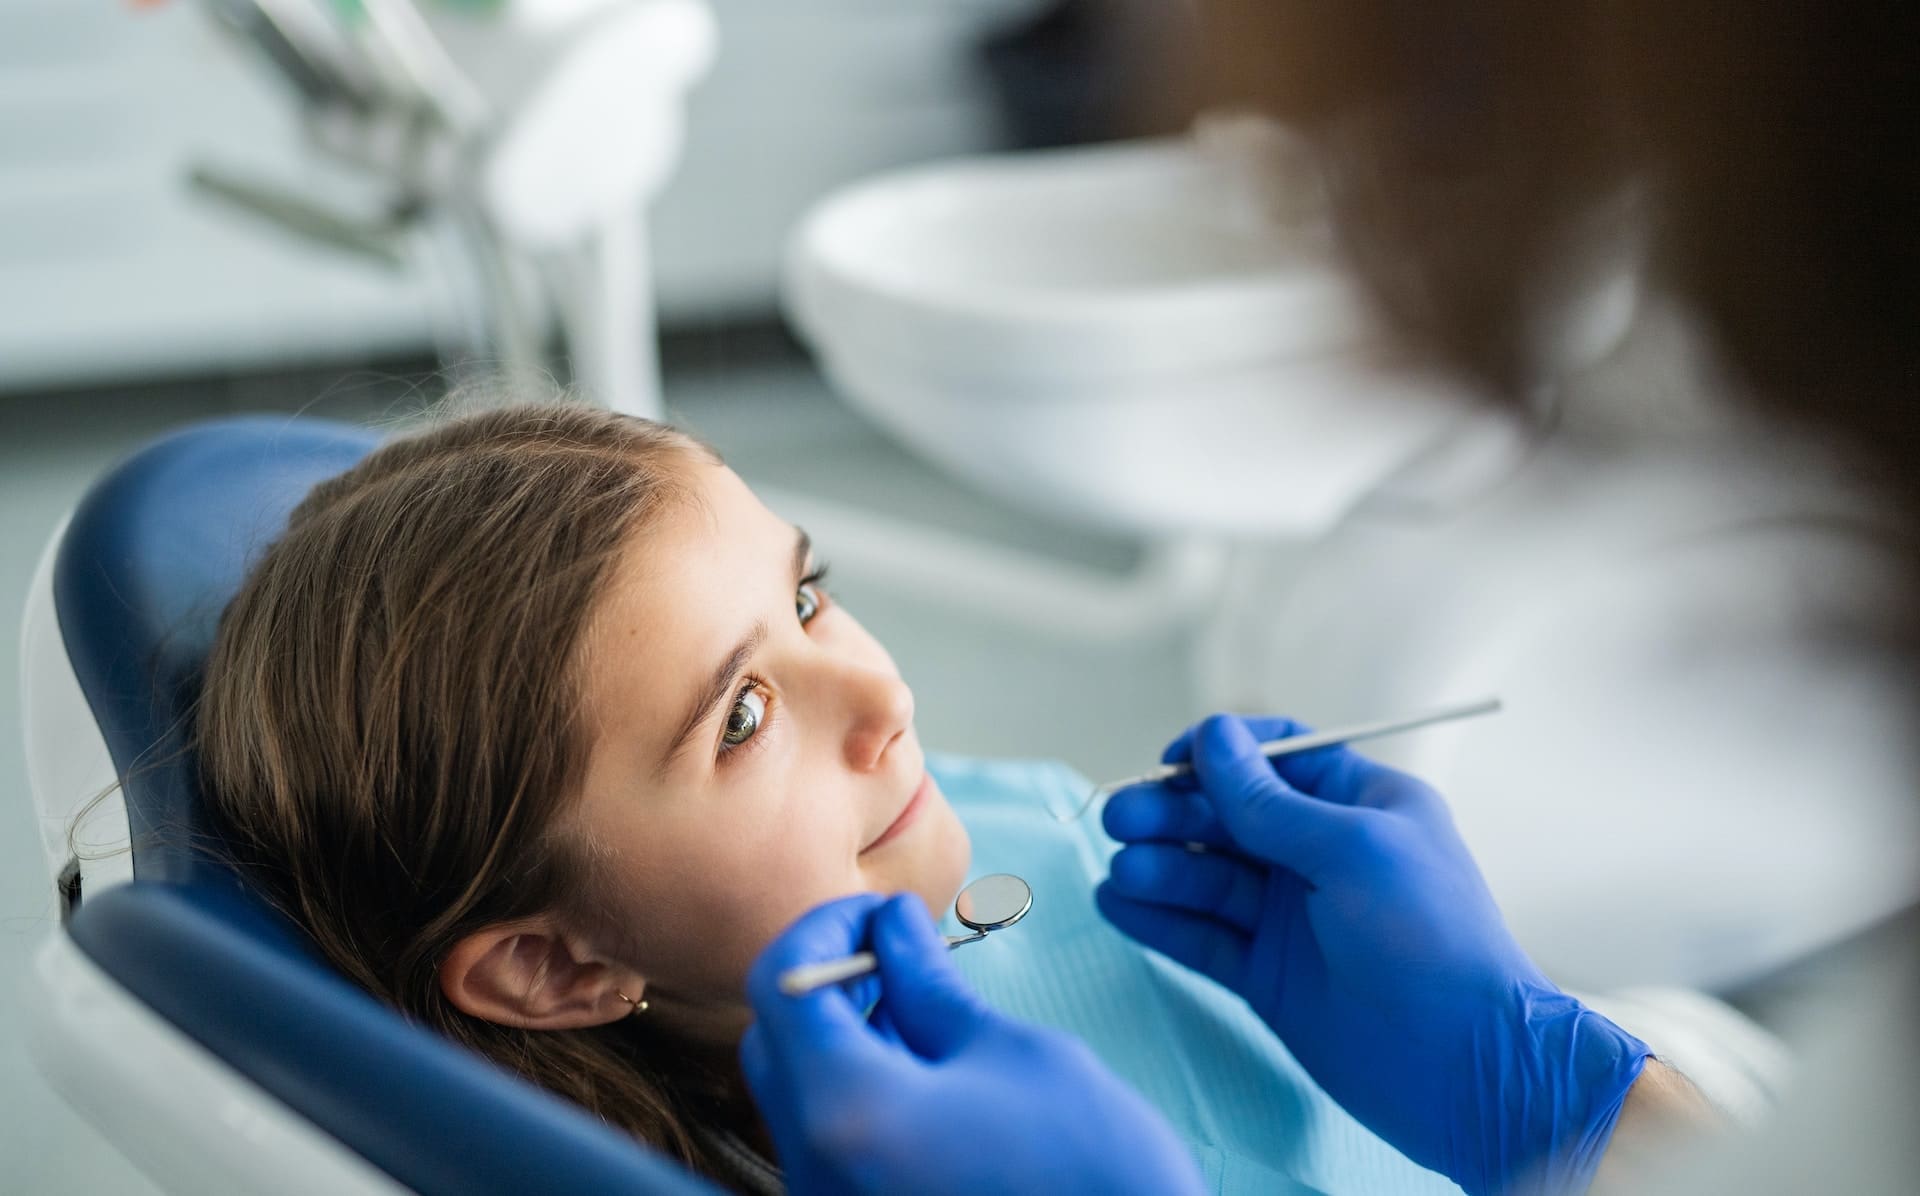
[[936, 1093], [1337, 898]]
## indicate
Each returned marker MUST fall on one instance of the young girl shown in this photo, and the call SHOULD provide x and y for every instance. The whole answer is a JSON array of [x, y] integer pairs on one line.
[[543, 727]]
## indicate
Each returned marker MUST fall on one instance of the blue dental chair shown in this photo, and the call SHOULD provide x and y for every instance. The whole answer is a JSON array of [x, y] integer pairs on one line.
[[180, 1014]]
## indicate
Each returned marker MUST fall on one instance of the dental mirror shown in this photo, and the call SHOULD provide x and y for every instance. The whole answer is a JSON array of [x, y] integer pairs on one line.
[[991, 903]]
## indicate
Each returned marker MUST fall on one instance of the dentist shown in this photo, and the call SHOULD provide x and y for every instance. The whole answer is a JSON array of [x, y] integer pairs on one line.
[[1770, 150]]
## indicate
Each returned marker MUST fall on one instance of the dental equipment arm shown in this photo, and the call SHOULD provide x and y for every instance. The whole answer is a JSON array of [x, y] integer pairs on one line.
[[936, 1093], [1335, 896], [298, 41]]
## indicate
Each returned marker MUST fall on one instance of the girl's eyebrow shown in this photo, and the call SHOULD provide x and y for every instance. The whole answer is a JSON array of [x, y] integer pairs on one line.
[[720, 685], [802, 553]]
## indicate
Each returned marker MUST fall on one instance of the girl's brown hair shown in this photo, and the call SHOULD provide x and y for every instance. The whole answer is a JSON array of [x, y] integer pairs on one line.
[[389, 727]]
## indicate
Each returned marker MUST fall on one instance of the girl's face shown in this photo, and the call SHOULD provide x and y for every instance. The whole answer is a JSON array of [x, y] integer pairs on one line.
[[753, 752]]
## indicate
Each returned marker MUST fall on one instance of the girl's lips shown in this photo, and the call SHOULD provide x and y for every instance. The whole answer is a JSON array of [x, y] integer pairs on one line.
[[906, 815]]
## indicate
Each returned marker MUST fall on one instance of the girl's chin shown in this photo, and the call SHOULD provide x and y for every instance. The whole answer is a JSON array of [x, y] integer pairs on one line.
[[949, 870], [938, 868]]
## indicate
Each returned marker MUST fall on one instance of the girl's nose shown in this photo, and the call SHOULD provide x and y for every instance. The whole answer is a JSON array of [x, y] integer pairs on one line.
[[880, 709]]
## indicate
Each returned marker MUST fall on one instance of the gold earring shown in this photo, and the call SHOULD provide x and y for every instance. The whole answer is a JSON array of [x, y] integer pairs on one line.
[[633, 1006]]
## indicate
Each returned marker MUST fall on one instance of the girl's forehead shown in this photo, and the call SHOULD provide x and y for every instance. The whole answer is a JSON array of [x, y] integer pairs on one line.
[[686, 558], [690, 584]]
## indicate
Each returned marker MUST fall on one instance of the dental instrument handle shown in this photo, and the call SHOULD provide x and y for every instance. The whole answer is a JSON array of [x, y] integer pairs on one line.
[[1339, 735], [798, 982], [1354, 734]]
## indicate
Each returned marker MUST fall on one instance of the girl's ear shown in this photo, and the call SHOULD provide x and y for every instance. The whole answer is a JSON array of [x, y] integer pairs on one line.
[[531, 975]]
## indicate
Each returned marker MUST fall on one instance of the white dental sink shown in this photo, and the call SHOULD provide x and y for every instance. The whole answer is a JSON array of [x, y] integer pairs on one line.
[[1119, 335]]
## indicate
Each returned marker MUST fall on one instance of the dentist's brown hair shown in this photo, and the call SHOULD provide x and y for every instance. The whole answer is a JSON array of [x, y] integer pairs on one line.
[[1773, 151]]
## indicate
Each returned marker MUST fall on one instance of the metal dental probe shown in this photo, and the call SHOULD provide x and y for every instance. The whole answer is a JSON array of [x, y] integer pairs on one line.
[[1304, 743]]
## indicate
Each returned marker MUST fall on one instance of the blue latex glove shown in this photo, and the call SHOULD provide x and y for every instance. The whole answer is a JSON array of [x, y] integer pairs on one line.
[[1337, 898], [936, 1093]]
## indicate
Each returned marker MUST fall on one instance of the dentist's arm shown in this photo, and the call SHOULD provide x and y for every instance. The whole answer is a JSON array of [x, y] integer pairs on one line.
[[1663, 1111], [1337, 898], [936, 1093]]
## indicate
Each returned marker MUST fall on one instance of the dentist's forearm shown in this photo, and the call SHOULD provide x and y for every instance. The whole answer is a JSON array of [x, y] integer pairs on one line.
[[1663, 1109]]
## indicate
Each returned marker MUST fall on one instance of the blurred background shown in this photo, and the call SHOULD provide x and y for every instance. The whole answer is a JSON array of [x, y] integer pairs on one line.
[[1056, 363]]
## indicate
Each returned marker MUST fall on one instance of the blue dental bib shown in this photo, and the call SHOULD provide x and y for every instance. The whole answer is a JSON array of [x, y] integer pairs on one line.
[[1255, 1121]]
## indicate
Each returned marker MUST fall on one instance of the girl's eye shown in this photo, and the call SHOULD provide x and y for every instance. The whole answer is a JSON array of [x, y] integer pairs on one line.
[[743, 721], [809, 600]]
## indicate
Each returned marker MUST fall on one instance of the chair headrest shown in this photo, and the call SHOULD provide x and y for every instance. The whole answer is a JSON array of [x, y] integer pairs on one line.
[[150, 559], [216, 964]]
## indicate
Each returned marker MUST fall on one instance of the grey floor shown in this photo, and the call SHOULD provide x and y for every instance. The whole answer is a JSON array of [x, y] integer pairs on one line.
[[982, 688]]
